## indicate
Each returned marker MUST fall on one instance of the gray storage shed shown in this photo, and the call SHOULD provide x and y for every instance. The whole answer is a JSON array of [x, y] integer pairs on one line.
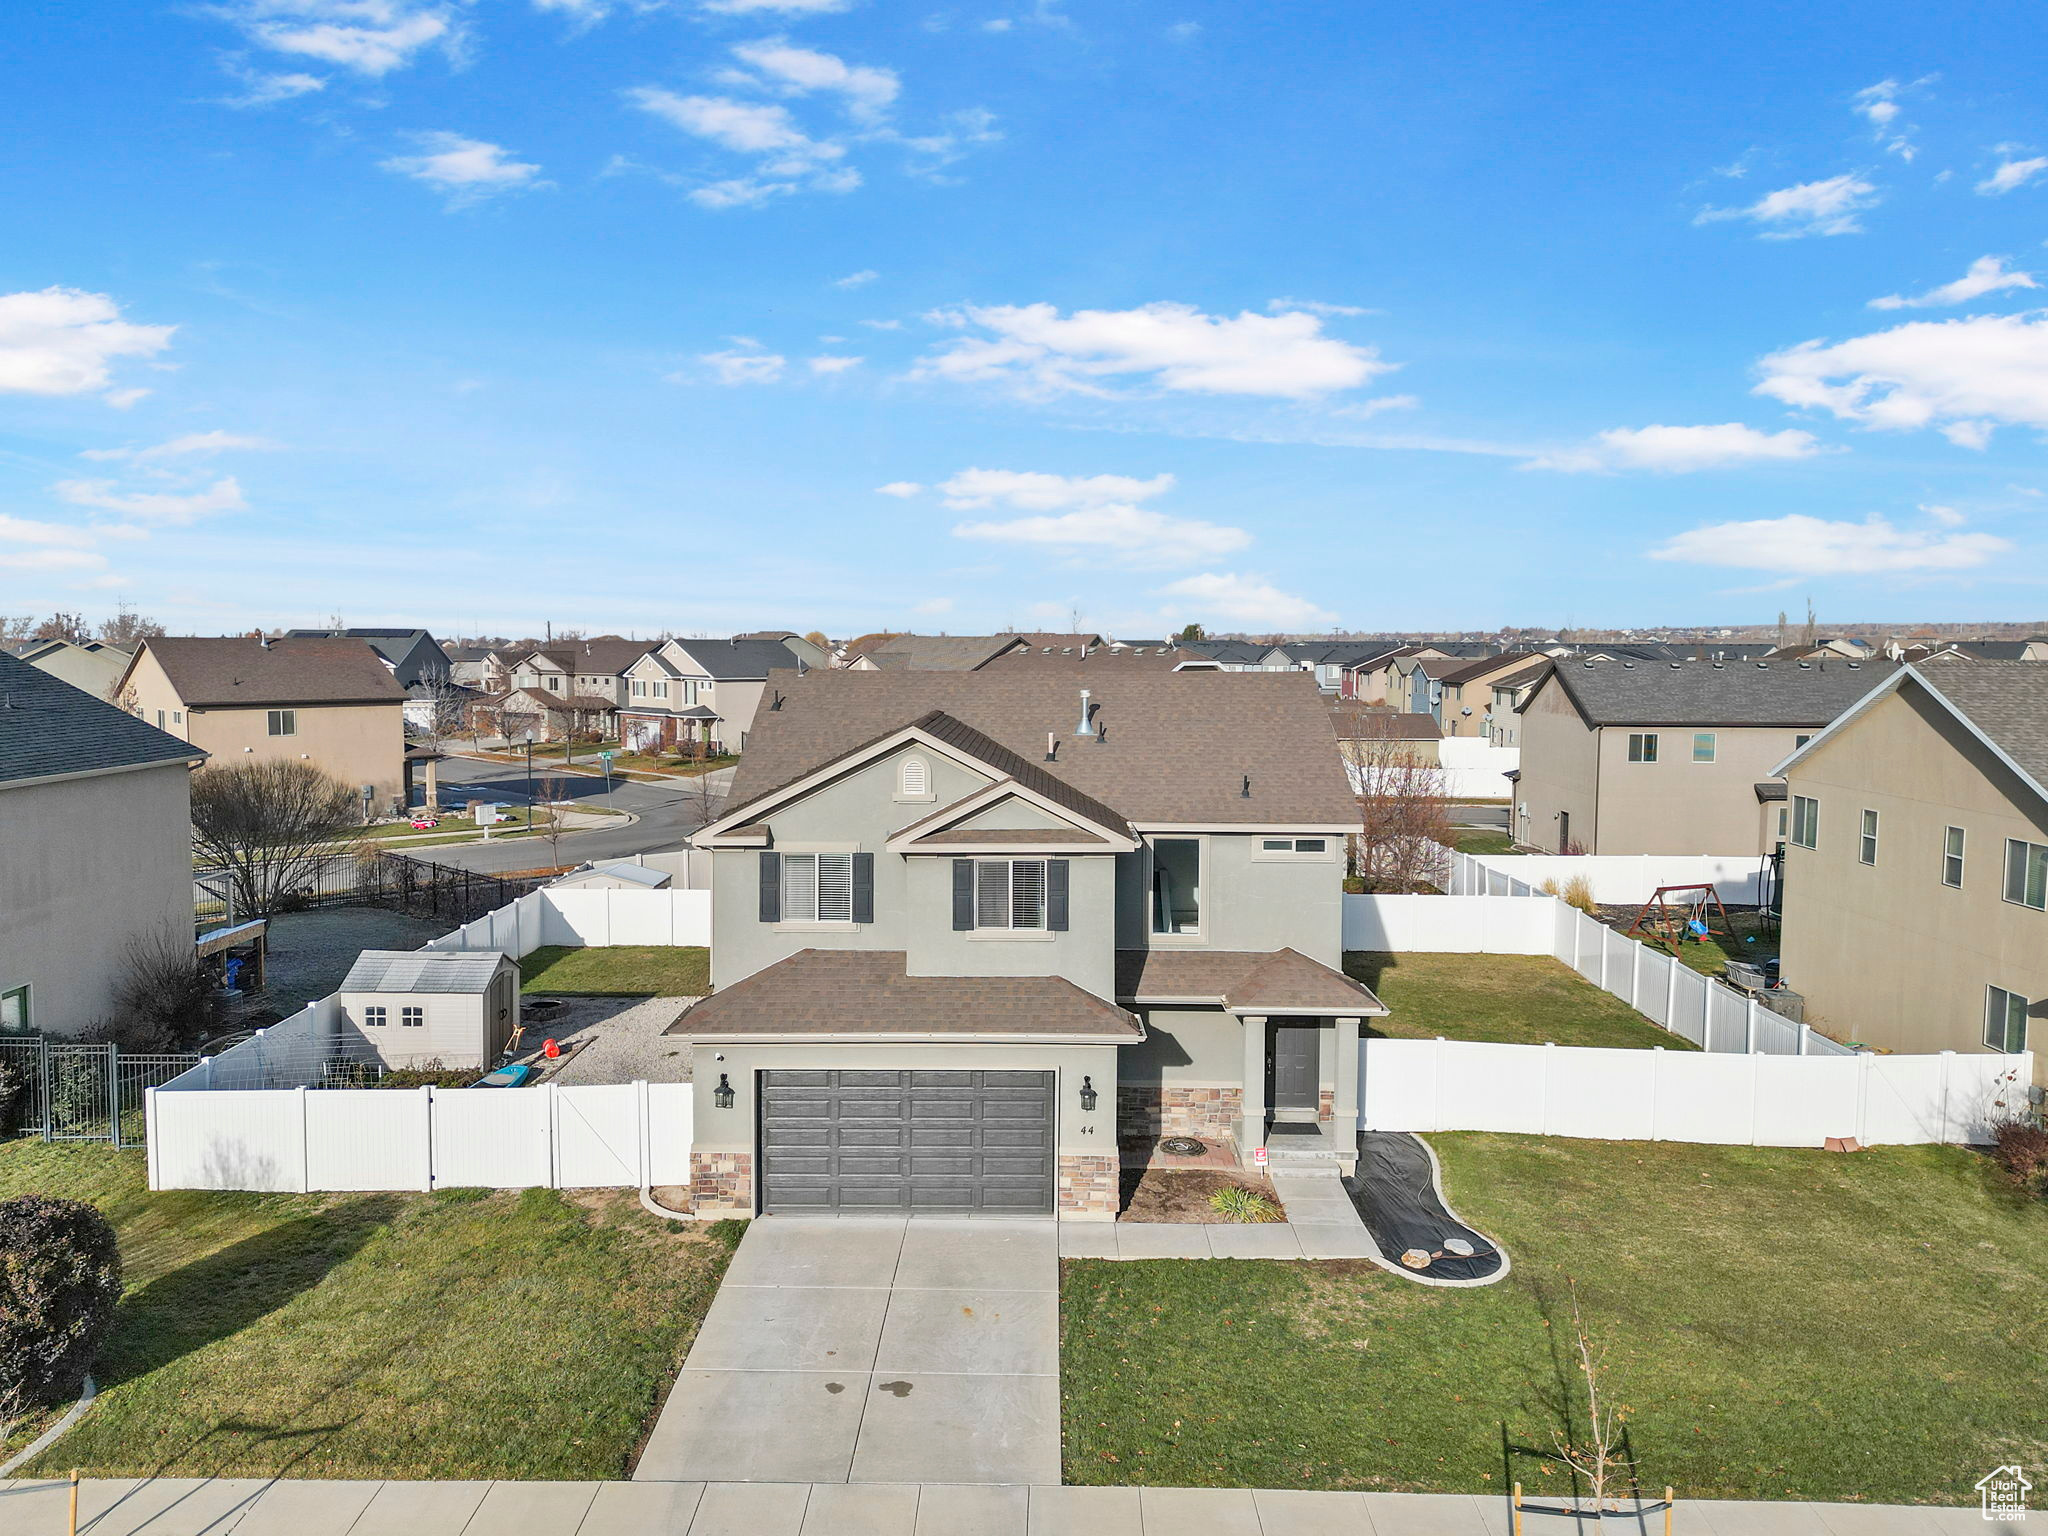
[[413, 1008]]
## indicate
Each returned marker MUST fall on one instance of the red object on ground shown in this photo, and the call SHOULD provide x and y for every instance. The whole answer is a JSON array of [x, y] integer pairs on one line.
[[551, 1049]]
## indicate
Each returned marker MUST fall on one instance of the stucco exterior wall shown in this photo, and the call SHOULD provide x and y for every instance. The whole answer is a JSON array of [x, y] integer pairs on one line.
[[1186, 1046], [1250, 900], [1083, 953], [1678, 806], [1560, 773], [88, 865], [1887, 953]]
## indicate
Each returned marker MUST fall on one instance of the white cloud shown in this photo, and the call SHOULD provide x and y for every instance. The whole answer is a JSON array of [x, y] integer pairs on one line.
[[830, 364], [883, 325], [2011, 175], [1680, 450], [785, 7], [1365, 409], [467, 169], [1315, 307], [121, 399], [191, 444], [868, 91], [266, 90], [1135, 536], [787, 156], [1987, 274], [856, 279], [1184, 31], [53, 560], [1231, 601], [902, 490], [933, 607], [371, 37], [1031, 491], [21, 530], [1811, 208], [1813, 546], [1948, 517], [1040, 351], [1963, 376], [743, 365], [1879, 106], [62, 341], [224, 495]]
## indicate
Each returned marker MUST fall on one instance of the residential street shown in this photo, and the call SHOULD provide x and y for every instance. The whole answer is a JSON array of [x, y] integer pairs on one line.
[[667, 813]]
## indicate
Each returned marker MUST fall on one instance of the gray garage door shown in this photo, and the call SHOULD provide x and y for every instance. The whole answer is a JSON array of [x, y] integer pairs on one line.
[[906, 1141]]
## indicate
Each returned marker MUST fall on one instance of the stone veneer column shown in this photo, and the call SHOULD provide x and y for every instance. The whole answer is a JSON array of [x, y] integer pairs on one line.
[[1088, 1186], [722, 1183]]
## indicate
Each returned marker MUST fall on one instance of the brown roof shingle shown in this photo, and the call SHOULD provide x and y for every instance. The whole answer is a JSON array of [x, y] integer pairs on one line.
[[234, 672], [1276, 981], [866, 992]]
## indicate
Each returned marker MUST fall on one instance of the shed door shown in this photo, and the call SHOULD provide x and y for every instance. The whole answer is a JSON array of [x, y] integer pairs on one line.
[[906, 1141]]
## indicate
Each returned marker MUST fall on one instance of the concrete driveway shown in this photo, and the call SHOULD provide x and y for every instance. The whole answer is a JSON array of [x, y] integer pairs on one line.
[[873, 1350]]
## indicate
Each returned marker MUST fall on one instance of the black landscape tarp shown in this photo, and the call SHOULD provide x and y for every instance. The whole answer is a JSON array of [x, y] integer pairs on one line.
[[1396, 1195]]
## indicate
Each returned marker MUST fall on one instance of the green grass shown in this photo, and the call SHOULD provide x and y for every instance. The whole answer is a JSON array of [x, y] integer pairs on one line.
[[1482, 840], [456, 1335], [1513, 999], [1782, 1325], [618, 970], [1753, 945]]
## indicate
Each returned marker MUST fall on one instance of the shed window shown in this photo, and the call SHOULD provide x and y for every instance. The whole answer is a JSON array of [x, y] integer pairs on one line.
[[1009, 893], [412, 1018], [2026, 874], [284, 722], [817, 888], [1308, 845], [2005, 1020], [376, 1016], [1642, 746]]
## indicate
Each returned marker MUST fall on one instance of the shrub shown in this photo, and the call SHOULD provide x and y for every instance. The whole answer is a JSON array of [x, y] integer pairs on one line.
[[1578, 892], [13, 1098], [167, 998], [60, 1280], [1236, 1203], [2021, 1148]]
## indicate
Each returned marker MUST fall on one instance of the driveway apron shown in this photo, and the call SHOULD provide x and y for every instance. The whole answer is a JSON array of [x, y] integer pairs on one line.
[[873, 1350]]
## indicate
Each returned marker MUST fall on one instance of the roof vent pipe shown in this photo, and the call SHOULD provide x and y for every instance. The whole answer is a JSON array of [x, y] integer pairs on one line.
[[1087, 726], [1052, 747]]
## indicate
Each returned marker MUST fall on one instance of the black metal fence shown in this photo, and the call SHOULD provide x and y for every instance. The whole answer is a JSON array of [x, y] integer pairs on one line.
[[61, 1090], [413, 886]]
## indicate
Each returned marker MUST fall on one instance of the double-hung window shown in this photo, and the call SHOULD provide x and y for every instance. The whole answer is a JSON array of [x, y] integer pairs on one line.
[[1952, 857], [817, 887], [1642, 746], [284, 722], [1805, 821], [1703, 746], [2005, 1020], [1009, 893], [1866, 847], [2026, 874], [376, 1016]]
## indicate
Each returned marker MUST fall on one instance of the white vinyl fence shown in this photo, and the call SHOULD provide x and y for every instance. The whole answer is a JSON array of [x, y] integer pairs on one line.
[[625, 1136], [587, 917], [1475, 769], [1710, 1014], [1658, 1095], [1617, 878]]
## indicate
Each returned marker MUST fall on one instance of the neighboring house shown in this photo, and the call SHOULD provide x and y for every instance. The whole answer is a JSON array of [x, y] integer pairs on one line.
[[1232, 655], [95, 848], [687, 694], [1103, 658], [95, 667], [520, 713], [583, 669], [1504, 722], [952, 653], [1916, 866], [1419, 736], [1332, 660], [481, 668], [414, 656], [457, 1009], [961, 946], [1669, 757], [332, 703], [807, 651], [1463, 699]]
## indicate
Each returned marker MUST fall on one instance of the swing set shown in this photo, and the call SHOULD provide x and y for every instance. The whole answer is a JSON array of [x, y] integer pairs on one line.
[[1683, 914]]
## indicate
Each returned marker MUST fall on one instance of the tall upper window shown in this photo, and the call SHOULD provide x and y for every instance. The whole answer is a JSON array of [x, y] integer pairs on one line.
[[1176, 885], [2026, 874], [1805, 821], [1703, 746], [817, 887], [1642, 746], [284, 722], [1866, 847], [2005, 1020], [1952, 857], [1009, 893]]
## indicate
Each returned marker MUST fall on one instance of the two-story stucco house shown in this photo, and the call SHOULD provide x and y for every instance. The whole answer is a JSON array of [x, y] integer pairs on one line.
[[1916, 868], [969, 930], [685, 694], [1675, 757]]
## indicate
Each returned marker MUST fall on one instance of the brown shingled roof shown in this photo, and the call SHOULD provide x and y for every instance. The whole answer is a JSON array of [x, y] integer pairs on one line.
[[231, 672], [866, 992], [1275, 981]]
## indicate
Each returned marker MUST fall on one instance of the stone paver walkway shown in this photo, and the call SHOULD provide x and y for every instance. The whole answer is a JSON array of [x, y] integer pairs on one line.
[[873, 1350], [251, 1507]]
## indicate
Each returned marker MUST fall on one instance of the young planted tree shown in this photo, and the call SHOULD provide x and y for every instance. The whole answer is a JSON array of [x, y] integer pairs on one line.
[[1600, 1455], [1404, 813], [269, 827]]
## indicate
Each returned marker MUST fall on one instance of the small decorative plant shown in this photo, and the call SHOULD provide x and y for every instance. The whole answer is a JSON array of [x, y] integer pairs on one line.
[[1236, 1203]]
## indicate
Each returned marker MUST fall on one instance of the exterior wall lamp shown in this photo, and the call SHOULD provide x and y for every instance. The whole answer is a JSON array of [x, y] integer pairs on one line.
[[722, 1094], [1088, 1095]]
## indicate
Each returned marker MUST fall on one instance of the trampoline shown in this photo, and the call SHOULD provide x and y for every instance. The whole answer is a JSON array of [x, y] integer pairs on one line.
[[1400, 1198]]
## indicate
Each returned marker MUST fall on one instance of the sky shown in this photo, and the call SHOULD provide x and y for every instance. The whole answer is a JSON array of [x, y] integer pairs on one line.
[[713, 315]]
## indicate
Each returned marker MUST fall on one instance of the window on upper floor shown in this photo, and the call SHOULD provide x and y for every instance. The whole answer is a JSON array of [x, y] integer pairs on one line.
[[283, 722], [1952, 857], [1009, 893], [2026, 874], [817, 887], [1642, 746], [1805, 822], [2005, 1020], [554, 683], [1866, 847], [1703, 746], [1176, 885], [1800, 741], [636, 689]]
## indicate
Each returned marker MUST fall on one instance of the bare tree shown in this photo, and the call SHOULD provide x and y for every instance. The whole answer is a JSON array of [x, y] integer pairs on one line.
[[1404, 813], [269, 827], [166, 999], [444, 712], [548, 815], [127, 626], [700, 803], [1600, 1455], [63, 626], [16, 626]]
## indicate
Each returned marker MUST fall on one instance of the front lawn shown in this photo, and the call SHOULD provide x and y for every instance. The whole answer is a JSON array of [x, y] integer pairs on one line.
[[617, 970], [463, 1334], [1782, 1324], [1513, 999]]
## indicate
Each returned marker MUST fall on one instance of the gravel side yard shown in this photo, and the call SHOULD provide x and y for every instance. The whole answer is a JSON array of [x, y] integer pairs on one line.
[[311, 952]]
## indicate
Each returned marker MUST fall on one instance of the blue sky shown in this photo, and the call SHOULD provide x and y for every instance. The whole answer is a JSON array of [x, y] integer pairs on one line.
[[710, 314]]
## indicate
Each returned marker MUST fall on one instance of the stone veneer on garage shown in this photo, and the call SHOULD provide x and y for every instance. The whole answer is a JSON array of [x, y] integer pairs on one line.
[[1088, 1184], [722, 1183]]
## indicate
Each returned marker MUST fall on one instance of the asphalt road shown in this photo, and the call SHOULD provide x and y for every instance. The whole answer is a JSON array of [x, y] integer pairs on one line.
[[667, 812]]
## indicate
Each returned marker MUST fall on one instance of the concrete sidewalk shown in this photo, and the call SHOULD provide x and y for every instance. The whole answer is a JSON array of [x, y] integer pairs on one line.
[[250, 1507], [1322, 1223]]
